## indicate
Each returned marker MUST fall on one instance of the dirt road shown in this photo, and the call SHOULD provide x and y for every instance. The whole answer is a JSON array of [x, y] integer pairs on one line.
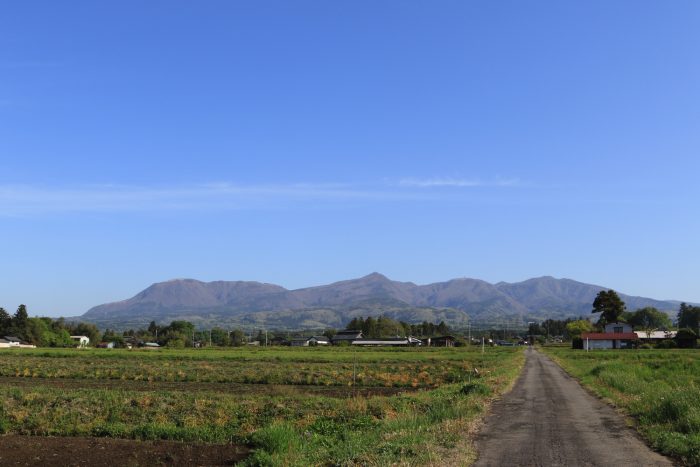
[[549, 420]]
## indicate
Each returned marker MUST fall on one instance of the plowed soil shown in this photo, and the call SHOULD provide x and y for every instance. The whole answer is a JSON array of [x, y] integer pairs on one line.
[[50, 451]]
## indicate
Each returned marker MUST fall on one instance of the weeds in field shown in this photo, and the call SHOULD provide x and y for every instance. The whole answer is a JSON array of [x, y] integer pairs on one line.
[[415, 428]]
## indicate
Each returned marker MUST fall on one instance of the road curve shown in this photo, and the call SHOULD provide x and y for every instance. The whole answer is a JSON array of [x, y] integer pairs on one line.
[[548, 419]]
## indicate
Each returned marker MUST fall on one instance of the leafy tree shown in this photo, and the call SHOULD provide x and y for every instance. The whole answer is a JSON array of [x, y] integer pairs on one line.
[[153, 329], [5, 322], [238, 338], [689, 317], [686, 338], [648, 319], [220, 337], [369, 328], [86, 329], [330, 332], [575, 328], [19, 321], [609, 305], [534, 329]]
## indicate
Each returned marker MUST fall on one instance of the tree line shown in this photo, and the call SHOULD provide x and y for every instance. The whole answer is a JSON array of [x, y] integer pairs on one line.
[[44, 332], [387, 327]]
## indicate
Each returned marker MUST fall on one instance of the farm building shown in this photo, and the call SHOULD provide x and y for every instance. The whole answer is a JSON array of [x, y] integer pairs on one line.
[[442, 341], [655, 336], [11, 341], [388, 341], [15, 342], [4, 344], [309, 341], [81, 341], [616, 336], [348, 336]]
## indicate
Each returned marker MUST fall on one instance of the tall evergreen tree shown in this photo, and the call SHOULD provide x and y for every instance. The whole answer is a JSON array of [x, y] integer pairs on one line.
[[5, 322], [609, 305], [19, 322]]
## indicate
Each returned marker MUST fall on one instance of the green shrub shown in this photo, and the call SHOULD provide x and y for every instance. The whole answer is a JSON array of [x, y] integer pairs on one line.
[[476, 387], [667, 344]]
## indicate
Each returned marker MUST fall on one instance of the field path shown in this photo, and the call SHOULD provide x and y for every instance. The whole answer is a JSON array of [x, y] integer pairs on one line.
[[548, 419]]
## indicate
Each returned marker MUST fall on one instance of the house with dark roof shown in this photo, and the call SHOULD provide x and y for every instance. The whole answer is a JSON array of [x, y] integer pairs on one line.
[[348, 336], [309, 341], [440, 341], [388, 342]]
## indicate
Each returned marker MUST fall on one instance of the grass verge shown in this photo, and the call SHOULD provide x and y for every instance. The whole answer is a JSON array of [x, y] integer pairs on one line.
[[659, 389]]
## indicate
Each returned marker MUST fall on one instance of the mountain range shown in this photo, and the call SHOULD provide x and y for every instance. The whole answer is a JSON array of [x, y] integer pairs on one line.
[[457, 302]]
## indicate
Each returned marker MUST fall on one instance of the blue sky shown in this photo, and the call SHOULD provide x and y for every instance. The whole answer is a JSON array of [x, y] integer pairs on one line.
[[301, 143]]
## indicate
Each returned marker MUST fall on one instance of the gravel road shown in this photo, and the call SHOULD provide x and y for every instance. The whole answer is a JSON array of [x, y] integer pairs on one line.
[[548, 419]]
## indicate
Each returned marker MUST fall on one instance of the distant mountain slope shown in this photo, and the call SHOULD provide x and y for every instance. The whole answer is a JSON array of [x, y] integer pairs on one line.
[[457, 302]]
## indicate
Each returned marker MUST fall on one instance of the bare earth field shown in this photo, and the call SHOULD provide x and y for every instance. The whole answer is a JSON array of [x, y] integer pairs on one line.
[[42, 451]]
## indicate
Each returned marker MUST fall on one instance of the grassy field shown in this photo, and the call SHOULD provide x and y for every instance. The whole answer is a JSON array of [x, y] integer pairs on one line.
[[292, 406], [659, 389]]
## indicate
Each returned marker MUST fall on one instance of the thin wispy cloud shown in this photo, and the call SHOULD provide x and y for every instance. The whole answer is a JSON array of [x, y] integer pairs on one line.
[[25, 199], [436, 182], [30, 199]]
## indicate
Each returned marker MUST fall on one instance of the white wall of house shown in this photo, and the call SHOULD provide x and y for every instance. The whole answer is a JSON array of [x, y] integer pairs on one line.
[[597, 344]]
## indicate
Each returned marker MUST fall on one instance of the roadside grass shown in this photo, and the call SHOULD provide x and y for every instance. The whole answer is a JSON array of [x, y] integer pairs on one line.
[[660, 389], [426, 427]]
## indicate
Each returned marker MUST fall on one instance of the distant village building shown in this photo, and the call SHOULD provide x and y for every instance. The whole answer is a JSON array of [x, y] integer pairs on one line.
[[616, 336], [309, 341], [442, 341], [348, 336], [388, 341], [15, 342]]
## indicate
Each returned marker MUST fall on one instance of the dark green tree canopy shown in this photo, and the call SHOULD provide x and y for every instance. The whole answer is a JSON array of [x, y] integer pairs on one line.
[[648, 319], [689, 317], [609, 305]]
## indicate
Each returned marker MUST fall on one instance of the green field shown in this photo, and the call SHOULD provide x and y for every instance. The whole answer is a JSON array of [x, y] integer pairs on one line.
[[658, 389], [291, 406]]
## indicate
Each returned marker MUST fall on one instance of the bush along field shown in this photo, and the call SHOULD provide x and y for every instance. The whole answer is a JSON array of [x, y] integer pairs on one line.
[[426, 419], [659, 389]]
